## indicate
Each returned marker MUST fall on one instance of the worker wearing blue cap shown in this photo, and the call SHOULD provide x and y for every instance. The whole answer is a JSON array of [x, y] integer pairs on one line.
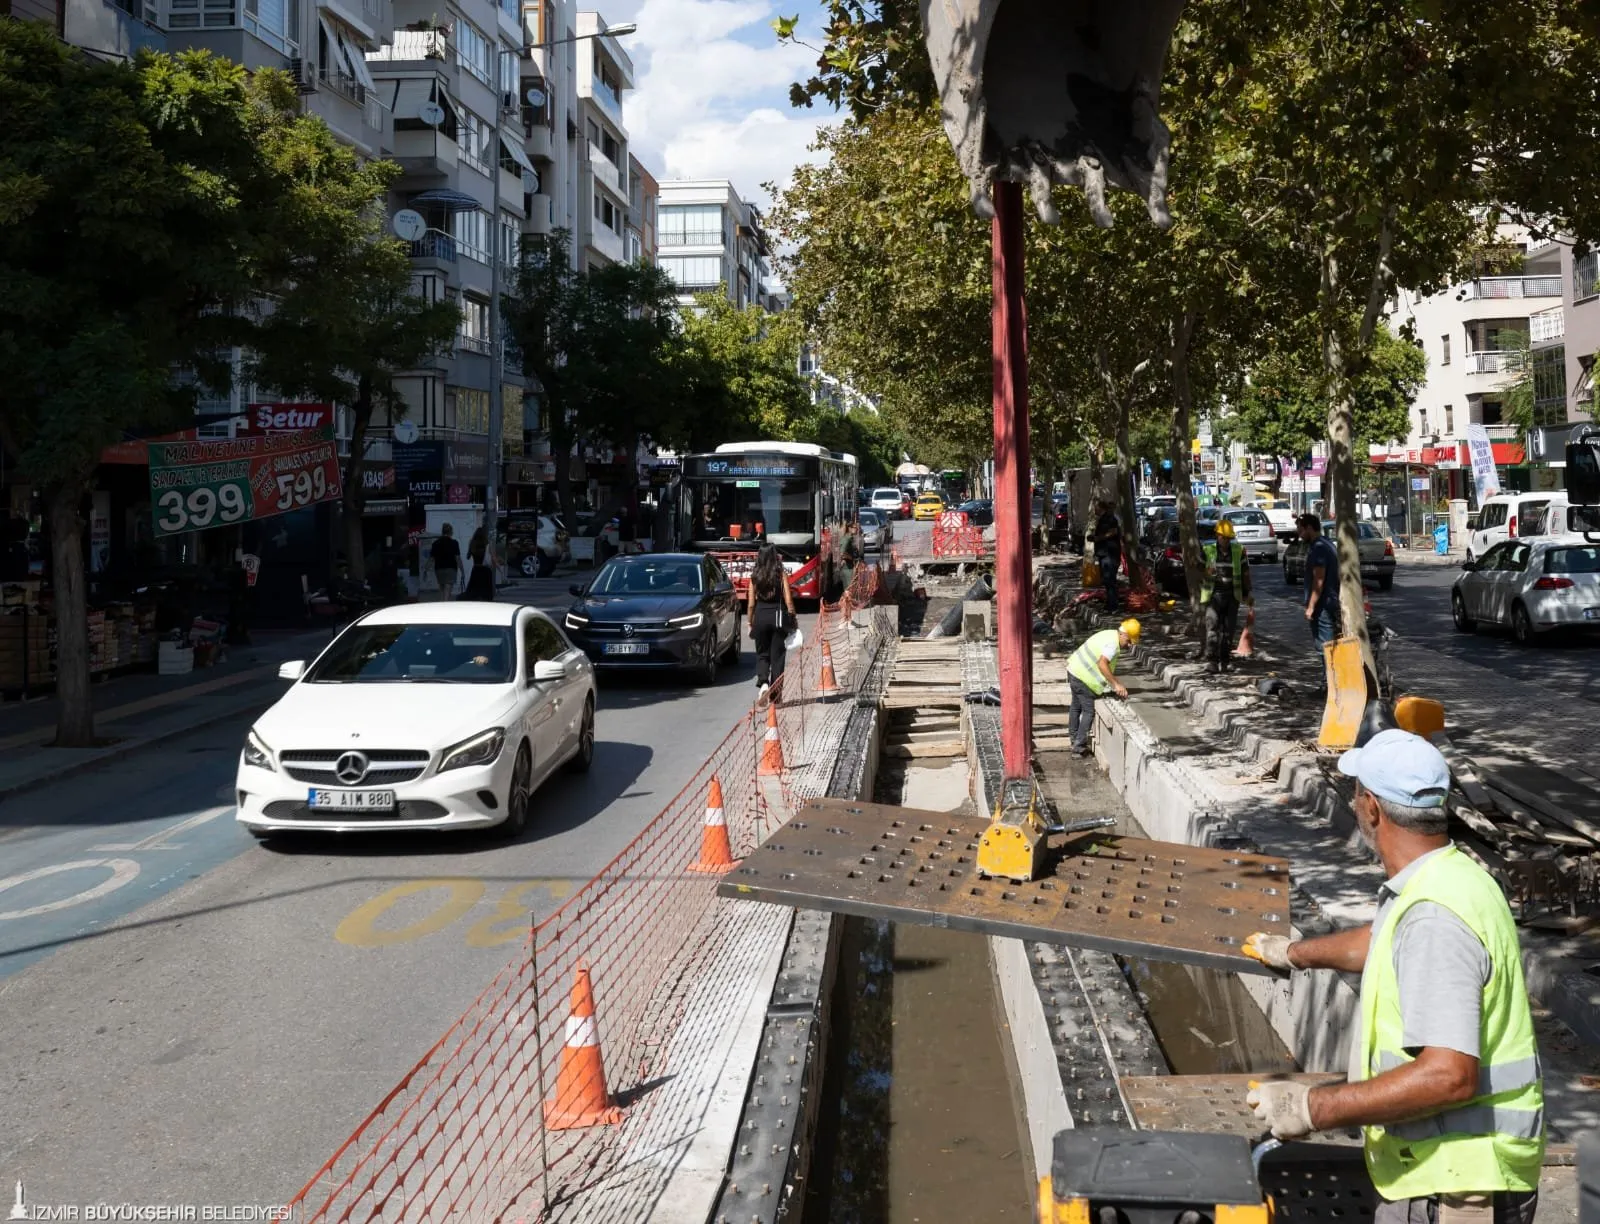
[[1445, 1077]]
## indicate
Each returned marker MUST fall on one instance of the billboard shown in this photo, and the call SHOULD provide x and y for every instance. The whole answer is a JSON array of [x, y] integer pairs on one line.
[[286, 418], [199, 484]]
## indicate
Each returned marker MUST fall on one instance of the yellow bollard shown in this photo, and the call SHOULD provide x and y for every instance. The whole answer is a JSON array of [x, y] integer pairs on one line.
[[1419, 715], [1347, 694]]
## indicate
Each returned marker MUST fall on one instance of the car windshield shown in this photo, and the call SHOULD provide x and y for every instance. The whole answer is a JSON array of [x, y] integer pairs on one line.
[[648, 576], [1572, 561], [869, 518], [1251, 518], [427, 654]]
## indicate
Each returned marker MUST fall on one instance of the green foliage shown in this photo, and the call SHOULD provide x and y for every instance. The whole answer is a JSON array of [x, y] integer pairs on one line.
[[872, 53], [1517, 397], [747, 364]]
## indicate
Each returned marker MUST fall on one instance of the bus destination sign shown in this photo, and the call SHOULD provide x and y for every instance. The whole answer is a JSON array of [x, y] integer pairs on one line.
[[737, 467]]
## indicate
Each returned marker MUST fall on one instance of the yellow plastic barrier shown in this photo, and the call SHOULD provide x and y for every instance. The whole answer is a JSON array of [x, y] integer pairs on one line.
[[1419, 715], [1091, 573], [1347, 694]]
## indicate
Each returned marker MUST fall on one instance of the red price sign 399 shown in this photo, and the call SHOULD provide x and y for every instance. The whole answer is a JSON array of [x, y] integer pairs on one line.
[[200, 484]]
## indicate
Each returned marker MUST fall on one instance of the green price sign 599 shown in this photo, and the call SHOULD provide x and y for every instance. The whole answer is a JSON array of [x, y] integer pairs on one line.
[[195, 485]]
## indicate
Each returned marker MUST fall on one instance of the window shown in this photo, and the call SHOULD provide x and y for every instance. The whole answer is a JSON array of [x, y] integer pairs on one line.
[[274, 22], [510, 70], [541, 642], [1494, 515], [1492, 412], [1444, 343], [474, 51], [471, 231], [607, 213], [1572, 561], [1449, 421], [691, 225], [201, 14], [477, 142], [1422, 420], [594, 134], [1585, 275], [693, 271], [472, 411], [401, 654], [1550, 385], [533, 21], [510, 239], [474, 330], [1516, 558]]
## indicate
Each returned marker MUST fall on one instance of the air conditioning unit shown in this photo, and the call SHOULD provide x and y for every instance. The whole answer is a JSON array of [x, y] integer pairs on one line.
[[509, 103], [304, 73]]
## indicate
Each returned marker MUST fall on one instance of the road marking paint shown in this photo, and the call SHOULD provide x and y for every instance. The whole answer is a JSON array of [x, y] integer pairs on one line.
[[359, 929], [512, 914], [158, 840], [123, 871]]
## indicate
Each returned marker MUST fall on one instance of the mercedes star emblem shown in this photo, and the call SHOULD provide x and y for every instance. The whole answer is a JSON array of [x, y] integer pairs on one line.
[[351, 768]]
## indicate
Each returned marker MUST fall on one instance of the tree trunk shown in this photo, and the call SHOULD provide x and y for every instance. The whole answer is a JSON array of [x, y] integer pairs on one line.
[[1342, 464], [1124, 499], [1179, 451], [562, 453], [354, 502], [75, 716]]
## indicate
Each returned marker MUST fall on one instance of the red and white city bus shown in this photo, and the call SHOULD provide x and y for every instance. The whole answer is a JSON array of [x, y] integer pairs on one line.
[[796, 495]]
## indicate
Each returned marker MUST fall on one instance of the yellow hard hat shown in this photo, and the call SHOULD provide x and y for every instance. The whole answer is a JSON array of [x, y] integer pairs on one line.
[[1224, 529], [1131, 628]]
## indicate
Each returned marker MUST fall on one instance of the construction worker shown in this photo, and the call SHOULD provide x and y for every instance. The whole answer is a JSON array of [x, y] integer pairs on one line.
[[1091, 673], [1227, 582], [1445, 1073]]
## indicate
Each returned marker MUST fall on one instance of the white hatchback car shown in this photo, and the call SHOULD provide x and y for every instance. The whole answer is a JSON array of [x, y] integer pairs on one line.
[[423, 716], [1551, 582]]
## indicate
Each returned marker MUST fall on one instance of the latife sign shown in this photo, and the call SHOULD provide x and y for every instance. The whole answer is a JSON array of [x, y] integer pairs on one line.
[[200, 484], [287, 418]]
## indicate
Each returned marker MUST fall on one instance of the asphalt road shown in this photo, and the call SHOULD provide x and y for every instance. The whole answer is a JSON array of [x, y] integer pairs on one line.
[[190, 1017]]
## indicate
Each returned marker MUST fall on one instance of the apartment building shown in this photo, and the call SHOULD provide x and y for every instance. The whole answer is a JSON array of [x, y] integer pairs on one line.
[[1565, 339], [710, 238], [644, 199], [604, 73]]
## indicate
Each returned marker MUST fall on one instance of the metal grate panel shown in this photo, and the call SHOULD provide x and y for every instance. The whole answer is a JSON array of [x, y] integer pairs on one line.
[[1213, 1103], [1126, 895]]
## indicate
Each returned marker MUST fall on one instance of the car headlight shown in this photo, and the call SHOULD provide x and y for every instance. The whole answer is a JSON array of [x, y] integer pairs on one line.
[[693, 621], [576, 620], [481, 749], [256, 752]]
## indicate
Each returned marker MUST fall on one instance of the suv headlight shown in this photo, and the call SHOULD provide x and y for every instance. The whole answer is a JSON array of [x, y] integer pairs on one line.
[[256, 752], [576, 620], [481, 749], [693, 621]]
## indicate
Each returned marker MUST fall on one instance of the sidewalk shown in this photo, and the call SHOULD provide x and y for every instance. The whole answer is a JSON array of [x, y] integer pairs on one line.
[[135, 711]]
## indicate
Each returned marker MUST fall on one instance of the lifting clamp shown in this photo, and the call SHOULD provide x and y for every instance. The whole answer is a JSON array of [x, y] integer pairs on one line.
[[1013, 845]]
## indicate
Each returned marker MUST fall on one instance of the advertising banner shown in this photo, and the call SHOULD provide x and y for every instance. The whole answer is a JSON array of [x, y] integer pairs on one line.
[[200, 484], [1484, 477], [286, 418]]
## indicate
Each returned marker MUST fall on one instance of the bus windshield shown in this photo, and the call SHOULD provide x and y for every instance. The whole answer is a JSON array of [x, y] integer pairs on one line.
[[781, 511]]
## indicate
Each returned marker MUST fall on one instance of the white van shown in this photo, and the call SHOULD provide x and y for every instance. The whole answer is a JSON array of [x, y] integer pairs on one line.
[[1563, 519], [1508, 516]]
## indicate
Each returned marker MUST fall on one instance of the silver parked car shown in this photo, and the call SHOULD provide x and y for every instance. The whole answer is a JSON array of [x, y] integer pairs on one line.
[[877, 530], [1255, 534], [1532, 586]]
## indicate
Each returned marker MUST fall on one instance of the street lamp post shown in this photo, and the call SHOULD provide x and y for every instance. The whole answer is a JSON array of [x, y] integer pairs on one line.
[[497, 368]]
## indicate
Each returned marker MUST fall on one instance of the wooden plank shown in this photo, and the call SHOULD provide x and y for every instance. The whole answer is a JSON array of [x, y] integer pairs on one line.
[[952, 748]]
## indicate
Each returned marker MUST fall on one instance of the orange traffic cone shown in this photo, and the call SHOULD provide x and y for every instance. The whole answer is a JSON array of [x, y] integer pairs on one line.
[[581, 1098], [716, 854], [828, 686], [771, 747], [1247, 639]]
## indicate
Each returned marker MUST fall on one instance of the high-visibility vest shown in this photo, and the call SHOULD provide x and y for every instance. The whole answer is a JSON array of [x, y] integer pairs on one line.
[[1237, 555], [1085, 661], [1496, 1140]]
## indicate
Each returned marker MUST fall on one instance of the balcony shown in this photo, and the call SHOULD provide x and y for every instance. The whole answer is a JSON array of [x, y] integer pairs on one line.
[[605, 171], [343, 84], [1493, 362], [610, 101], [435, 245], [1547, 325], [415, 46], [538, 139], [425, 154], [1499, 287], [603, 241], [1502, 433]]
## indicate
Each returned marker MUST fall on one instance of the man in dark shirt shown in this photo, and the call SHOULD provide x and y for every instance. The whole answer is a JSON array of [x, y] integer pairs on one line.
[[1108, 551], [1321, 580], [446, 554]]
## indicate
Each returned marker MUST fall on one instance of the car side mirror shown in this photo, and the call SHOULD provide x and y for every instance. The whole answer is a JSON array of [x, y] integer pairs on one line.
[[576, 589], [292, 670], [1469, 565], [546, 670], [724, 588]]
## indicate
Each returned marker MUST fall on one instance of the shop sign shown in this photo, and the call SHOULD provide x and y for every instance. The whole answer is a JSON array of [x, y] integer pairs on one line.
[[1484, 478], [458, 495], [286, 418], [425, 492], [378, 479], [1419, 484], [1301, 484], [138, 452], [201, 484], [417, 457], [467, 462], [383, 507]]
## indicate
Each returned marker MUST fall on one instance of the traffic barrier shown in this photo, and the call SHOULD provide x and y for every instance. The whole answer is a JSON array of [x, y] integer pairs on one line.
[[715, 852], [827, 683], [955, 537], [464, 1135]]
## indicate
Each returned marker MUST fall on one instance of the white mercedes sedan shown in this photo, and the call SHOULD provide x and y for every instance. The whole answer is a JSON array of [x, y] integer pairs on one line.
[[423, 716]]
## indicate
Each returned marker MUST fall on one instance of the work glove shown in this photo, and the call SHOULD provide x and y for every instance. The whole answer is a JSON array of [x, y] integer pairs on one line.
[[1283, 1106], [1271, 950]]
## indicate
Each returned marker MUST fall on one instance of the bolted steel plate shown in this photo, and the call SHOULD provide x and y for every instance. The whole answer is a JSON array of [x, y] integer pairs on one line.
[[1156, 900], [1213, 1103]]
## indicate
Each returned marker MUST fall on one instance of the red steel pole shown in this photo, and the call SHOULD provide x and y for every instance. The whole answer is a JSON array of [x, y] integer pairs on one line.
[[1013, 485]]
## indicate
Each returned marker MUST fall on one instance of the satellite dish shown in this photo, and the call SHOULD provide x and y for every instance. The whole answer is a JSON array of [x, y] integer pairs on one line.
[[535, 97], [409, 224], [405, 432], [431, 113], [530, 182]]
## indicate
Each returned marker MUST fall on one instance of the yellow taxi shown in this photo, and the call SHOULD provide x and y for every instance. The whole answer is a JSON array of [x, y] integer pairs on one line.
[[927, 506]]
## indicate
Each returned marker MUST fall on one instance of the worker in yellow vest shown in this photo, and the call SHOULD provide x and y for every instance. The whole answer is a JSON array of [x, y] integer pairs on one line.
[[1445, 1076], [1091, 673]]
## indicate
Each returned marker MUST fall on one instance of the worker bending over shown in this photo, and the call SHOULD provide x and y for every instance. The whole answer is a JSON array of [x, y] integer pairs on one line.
[[1227, 583], [1091, 673], [1445, 1074]]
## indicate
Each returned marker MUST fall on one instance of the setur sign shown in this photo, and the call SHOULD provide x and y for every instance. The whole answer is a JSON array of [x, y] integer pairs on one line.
[[203, 483]]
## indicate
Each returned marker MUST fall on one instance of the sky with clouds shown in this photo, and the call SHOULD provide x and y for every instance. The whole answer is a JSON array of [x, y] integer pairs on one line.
[[711, 97]]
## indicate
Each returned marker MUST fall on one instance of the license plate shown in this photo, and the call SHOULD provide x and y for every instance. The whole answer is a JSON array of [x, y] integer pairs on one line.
[[351, 800], [627, 648], [1591, 614]]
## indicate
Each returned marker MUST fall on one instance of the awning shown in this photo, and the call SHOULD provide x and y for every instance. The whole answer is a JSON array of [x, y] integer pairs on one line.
[[519, 155], [447, 198], [410, 95]]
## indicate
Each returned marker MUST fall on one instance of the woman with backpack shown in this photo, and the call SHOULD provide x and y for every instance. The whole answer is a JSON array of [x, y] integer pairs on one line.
[[771, 609]]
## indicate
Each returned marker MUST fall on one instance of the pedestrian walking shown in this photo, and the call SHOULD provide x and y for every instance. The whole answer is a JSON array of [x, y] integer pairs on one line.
[[480, 582], [771, 610], [1091, 673], [1108, 551], [1227, 584], [1445, 1078], [1321, 581], [446, 555]]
